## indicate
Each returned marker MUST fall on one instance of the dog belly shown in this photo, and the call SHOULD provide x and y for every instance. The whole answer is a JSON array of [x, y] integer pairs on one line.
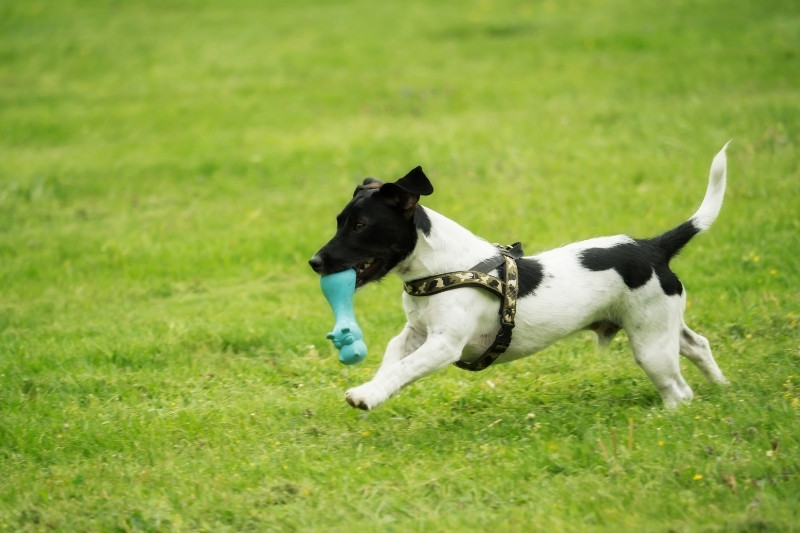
[[528, 337], [561, 307]]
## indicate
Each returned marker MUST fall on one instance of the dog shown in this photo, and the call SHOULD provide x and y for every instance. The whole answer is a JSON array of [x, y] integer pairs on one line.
[[602, 284]]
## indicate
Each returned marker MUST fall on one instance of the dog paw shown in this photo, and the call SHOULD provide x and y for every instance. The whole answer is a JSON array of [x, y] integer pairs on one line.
[[356, 402], [365, 397]]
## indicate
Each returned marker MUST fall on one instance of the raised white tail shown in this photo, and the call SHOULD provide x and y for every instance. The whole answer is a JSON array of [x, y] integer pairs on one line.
[[672, 241], [712, 202]]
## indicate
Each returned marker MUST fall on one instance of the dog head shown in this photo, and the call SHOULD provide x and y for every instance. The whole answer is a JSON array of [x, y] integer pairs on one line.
[[376, 229]]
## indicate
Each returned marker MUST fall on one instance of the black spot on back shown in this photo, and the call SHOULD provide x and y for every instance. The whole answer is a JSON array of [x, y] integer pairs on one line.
[[627, 259], [635, 262], [530, 273]]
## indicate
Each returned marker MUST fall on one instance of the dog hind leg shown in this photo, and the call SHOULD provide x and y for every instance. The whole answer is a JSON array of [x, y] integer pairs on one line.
[[696, 349], [655, 349]]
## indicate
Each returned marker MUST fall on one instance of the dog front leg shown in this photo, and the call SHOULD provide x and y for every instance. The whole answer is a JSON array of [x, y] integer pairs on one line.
[[434, 354], [401, 346]]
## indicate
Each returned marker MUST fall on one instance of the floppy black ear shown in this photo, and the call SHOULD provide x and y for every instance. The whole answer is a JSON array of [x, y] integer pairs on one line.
[[369, 183], [405, 192]]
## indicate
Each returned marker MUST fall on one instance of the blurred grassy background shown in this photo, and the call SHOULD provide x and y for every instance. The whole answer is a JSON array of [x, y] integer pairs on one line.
[[166, 169]]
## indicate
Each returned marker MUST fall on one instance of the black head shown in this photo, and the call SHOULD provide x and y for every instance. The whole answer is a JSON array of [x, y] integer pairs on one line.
[[376, 229]]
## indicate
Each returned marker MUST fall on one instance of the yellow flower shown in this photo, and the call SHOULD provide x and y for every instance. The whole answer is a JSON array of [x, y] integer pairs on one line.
[[697, 477], [661, 443]]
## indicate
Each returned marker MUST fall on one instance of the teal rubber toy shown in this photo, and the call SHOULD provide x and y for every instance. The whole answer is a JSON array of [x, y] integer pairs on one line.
[[338, 289]]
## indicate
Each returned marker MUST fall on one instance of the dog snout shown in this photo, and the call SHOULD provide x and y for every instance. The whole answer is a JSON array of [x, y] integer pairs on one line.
[[316, 263]]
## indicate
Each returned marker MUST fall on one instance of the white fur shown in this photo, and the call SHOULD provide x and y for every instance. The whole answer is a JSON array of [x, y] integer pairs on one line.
[[462, 323], [712, 202]]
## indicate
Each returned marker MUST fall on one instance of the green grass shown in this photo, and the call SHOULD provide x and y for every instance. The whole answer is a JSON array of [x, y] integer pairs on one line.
[[166, 169]]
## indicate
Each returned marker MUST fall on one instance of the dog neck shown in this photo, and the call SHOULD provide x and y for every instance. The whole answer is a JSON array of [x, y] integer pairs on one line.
[[446, 247]]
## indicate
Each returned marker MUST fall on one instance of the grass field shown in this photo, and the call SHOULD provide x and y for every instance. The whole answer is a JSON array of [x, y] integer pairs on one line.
[[168, 167]]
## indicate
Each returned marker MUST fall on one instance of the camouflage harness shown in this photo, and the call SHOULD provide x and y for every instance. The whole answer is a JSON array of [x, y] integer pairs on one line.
[[506, 287]]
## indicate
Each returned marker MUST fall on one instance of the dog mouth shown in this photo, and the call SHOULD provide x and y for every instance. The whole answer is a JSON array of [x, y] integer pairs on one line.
[[366, 271]]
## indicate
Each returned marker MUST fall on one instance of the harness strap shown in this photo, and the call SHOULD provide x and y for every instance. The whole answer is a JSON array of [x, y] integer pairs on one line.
[[453, 280], [507, 289]]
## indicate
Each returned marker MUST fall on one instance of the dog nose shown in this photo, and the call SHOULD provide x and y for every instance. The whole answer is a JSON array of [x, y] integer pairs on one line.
[[316, 263]]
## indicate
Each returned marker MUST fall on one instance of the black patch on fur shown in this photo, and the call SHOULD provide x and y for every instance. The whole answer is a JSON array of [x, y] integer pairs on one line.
[[670, 243], [530, 273], [635, 262], [669, 281], [627, 259], [422, 222]]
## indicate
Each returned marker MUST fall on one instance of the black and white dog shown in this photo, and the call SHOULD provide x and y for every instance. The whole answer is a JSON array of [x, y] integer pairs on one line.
[[603, 284]]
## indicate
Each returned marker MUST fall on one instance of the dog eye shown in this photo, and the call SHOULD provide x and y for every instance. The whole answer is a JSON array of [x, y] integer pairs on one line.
[[359, 227]]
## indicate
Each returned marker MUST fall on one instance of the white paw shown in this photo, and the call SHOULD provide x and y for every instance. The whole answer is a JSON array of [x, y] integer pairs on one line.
[[366, 396], [675, 399]]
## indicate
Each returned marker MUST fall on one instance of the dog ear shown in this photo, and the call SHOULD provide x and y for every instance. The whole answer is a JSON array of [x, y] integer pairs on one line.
[[405, 192], [369, 183], [415, 182]]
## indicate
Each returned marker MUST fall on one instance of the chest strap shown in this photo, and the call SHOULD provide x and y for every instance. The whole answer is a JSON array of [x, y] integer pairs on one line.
[[506, 287]]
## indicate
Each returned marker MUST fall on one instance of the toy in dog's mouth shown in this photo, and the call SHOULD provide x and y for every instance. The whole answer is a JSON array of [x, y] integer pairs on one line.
[[365, 272]]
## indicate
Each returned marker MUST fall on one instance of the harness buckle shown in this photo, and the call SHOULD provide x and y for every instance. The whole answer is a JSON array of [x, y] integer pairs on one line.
[[503, 339]]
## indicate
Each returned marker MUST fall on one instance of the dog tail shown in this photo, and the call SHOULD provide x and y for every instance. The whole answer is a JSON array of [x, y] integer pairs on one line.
[[712, 202], [673, 240]]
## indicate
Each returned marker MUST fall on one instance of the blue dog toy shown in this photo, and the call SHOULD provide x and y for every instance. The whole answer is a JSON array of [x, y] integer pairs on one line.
[[338, 289]]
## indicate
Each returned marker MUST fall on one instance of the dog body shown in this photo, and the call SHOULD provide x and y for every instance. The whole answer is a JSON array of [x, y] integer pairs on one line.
[[603, 284]]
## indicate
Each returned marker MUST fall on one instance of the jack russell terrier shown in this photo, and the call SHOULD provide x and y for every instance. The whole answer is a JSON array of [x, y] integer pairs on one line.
[[603, 284]]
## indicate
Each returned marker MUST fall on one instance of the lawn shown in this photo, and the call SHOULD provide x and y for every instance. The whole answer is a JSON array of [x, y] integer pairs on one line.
[[168, 167]]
